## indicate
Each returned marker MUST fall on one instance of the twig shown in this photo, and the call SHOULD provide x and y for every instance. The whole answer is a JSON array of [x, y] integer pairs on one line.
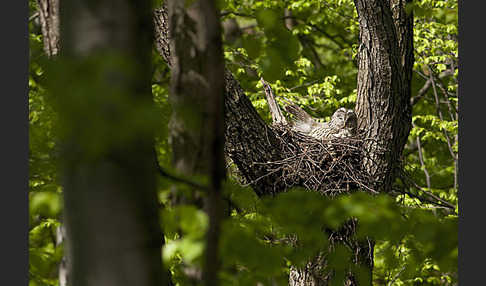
[[35, 15], [414, 100], [226, 13], [396, 276], [438, 201], [421, 158], [439, 112], [304, 84]]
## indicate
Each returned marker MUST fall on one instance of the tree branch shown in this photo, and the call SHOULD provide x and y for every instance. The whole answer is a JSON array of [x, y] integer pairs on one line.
[[434, 199], [175, 178], [421, 158], [277, 116]]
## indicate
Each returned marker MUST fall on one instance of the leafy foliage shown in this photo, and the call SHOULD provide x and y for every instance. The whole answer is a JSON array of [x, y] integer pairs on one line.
[[306, 50]]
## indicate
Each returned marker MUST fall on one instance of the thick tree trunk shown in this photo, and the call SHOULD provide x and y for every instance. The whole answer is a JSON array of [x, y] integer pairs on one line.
[[197, 99], [110, 199], [385, 60], [250, 142]]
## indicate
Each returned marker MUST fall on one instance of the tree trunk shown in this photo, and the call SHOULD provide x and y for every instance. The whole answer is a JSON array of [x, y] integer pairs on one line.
[[63, 271], [196, 97], [49, 20], [385, 60], [110, 200]]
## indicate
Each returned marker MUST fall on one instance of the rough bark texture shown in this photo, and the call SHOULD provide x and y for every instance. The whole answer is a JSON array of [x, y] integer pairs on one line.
[[49, 20], [110, 200], [197, 99], [250, 142], [162, 34], [385, 60]]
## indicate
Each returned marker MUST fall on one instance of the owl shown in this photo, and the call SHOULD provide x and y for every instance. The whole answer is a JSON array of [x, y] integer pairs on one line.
[[343, 123]]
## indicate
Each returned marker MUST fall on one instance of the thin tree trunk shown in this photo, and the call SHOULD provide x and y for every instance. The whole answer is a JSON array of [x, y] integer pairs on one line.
[[111, 211], [49, 20], [197, 99], [63, 274], [48, 11], [213, 70]]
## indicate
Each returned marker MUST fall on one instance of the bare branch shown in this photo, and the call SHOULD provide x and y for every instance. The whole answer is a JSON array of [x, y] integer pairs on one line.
[[35, 15], [421, 158], [439, 112], [433, 199], [277, 116]]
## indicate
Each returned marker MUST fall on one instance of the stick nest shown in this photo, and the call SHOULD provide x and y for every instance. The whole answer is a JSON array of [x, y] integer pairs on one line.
[[330, 167]]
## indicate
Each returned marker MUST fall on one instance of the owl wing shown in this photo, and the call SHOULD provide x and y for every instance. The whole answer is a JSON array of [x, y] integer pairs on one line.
[[302, 121], [321, 130]]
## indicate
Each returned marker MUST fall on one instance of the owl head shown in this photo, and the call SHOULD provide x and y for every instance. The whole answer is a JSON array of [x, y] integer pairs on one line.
[[344, 119]]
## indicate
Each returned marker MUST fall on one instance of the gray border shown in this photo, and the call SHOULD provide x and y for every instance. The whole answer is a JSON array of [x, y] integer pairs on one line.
[[471, 144], [14, 139]]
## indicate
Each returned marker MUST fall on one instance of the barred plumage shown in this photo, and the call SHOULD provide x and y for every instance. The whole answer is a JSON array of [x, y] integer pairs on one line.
[[343, 123]]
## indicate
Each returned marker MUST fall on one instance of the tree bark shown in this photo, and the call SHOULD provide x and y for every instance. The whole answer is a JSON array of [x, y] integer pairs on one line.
[[197, 100], [49, 20], [383, 106], [111, 210], [63, 271]]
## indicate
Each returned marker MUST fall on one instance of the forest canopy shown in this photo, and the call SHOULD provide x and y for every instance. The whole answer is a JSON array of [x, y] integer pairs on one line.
[[308, 52]]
